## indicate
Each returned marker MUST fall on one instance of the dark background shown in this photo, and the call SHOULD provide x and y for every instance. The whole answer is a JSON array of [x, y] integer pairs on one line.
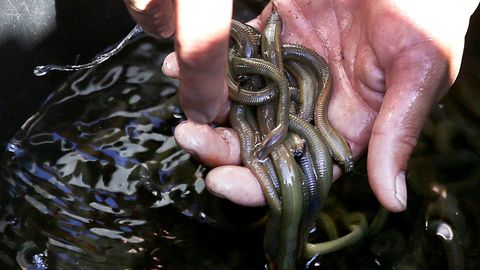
[[83, 29]]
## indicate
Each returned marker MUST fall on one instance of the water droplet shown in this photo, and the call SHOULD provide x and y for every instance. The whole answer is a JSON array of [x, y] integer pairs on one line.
[[40, 70], [14, 147], [31, 257]]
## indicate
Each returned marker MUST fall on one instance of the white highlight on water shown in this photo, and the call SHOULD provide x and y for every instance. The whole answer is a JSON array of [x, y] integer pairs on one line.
[[43, 70]]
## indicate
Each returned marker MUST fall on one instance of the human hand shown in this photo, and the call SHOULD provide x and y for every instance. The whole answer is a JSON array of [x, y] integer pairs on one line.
[[391, 62], [201, 31]]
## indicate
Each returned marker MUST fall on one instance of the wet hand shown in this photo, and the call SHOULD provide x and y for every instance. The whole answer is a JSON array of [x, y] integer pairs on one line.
[[391, 62], [201, 31]]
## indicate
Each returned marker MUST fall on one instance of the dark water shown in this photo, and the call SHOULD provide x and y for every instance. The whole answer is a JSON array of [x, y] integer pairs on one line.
[[95, 180]]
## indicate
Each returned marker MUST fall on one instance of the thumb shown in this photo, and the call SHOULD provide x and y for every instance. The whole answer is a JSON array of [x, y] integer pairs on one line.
[[415, 81]]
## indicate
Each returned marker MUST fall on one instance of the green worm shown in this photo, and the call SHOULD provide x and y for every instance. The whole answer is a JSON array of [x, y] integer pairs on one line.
[[338, 146], [244, 40], [239, 122], [292, 195], [250, 97], [318, 150], [257, 97], [252, 121], [356, 223], [246, 43], [265, 68], [283, 161], [318, 187], [307, 87], [270, 43]]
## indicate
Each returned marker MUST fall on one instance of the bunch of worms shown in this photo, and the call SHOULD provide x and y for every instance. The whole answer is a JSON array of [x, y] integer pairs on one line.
[[280, 94]]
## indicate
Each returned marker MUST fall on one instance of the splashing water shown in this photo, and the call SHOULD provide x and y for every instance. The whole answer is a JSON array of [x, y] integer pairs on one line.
[[43, 70], [95, 180]]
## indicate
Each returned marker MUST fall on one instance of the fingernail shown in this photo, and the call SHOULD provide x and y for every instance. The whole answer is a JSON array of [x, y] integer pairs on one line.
[[401, 190], [170, 65]]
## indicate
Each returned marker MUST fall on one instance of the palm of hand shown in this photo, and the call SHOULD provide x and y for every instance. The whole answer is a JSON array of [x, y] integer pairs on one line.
[[376, 58], [387, 74], [389, 67]]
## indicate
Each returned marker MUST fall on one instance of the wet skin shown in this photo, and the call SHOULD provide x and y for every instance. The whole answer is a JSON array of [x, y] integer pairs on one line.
[[390, 62], [299, 202]]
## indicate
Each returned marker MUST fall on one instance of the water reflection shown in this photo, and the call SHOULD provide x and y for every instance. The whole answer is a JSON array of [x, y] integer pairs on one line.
[[95, 180]]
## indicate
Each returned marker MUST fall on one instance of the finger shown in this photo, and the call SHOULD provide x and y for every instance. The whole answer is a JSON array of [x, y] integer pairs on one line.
[[212, 146], [156, 17], [202, 38], [236, 184], [415, 81], [170, 68]]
